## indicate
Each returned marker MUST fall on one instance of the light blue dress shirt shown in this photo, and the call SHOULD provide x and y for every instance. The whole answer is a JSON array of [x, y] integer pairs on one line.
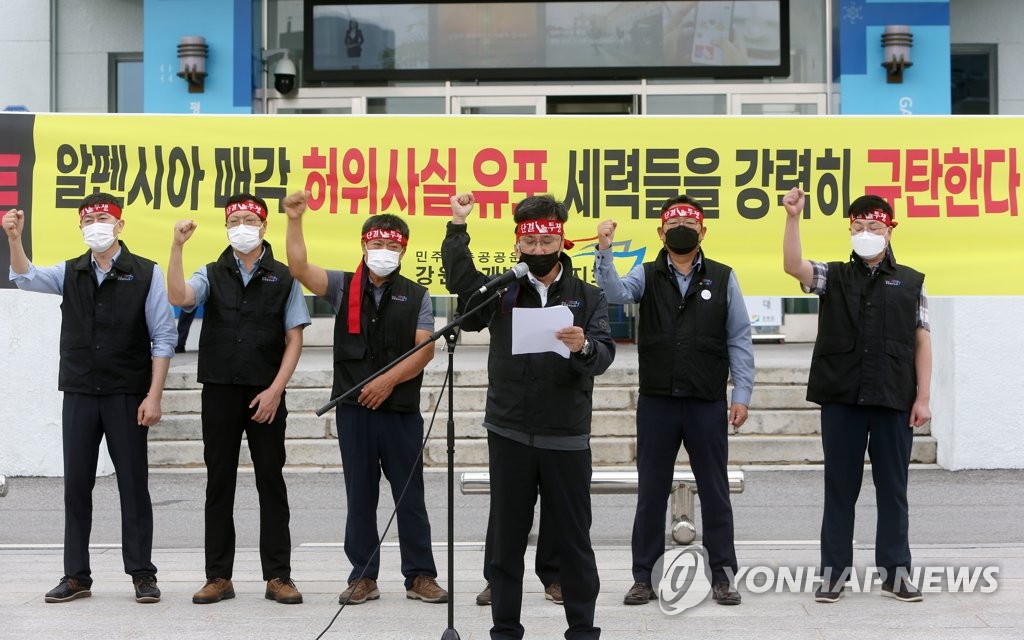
[[159, 317]]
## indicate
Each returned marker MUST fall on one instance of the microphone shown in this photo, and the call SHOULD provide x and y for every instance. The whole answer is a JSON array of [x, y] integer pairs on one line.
[[512, 274]]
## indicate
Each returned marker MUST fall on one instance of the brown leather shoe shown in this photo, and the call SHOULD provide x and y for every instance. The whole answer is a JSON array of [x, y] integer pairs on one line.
[[425, 588], [283, 590], [554, 593], [215, 590], [484, 597], [359, 591], [639, 593]]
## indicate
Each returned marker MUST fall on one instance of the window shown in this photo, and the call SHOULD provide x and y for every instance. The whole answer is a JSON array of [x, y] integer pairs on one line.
[[973, 79], [124, 80]]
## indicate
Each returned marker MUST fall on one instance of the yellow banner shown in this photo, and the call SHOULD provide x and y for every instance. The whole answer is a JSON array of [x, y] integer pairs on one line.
[[954, 184]]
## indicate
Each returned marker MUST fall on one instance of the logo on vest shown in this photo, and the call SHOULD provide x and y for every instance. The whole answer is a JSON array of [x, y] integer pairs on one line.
[[572, 304], [706, 282], [126, 277], [893, 283], [270, 278], [398, 298]]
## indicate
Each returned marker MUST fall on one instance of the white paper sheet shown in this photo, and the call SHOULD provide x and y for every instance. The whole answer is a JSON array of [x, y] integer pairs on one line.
[[533, 330]]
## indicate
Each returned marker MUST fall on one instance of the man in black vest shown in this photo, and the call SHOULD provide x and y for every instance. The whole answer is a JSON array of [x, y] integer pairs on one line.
[[248, 349], [381, 315], [694, 329], [871, 373], [538, 411], [116, 341]]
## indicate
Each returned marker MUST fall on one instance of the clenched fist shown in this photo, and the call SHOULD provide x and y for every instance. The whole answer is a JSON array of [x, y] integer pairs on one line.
[[462, 205], [794, 201], [606, 233], [295, 204], [14, 223], [183, 230]]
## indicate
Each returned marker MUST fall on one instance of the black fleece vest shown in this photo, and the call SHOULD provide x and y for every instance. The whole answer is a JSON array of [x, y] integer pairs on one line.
[[242, 341], [386, 332], [105, 347], [867, 326], [682, 341]]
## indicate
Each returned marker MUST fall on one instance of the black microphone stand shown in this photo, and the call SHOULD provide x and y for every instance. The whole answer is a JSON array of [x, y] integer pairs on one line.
[[450, 333]]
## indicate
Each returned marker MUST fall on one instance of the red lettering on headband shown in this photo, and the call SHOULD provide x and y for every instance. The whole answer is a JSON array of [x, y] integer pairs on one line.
[[102, 207], [539, 227], [385, 234], [683, 211], [875, 214], [248, 206]]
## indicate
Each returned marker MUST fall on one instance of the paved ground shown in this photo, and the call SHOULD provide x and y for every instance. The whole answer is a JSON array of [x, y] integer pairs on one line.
[[961, 519]]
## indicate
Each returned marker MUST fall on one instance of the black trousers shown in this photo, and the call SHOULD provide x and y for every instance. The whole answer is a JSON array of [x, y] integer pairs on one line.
[[662, 424], [86, 420], [563, 480], [546, 562], [226, 416], [846, 431], [384, 441]]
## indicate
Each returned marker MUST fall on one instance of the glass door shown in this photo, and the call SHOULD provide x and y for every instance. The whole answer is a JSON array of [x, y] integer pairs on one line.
[[766, 104]]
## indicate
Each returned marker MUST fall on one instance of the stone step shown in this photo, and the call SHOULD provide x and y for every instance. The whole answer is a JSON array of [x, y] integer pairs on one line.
[[305, 425], [620, 451], [766, 396], [476, 377]]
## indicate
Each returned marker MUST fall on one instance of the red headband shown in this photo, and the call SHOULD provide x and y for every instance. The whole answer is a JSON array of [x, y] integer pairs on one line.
[[539, 227], [543, 227], [102, 207], [385, 234], [682, 211], [247, 205], [875, 214]]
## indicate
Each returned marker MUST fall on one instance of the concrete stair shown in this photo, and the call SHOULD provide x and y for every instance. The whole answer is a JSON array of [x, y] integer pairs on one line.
[[783, 427]]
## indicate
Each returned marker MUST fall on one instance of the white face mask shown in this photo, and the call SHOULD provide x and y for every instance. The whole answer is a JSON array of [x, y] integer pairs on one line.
[[99, 236], [244, 238], [382, 262], [867, 244]]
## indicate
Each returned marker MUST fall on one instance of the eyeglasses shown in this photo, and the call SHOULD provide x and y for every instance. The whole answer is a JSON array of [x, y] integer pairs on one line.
[[547, 242], [693, 223], [249, 221]]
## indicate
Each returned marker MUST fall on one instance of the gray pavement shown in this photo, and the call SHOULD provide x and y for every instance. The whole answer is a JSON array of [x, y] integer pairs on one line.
[[958, 518]]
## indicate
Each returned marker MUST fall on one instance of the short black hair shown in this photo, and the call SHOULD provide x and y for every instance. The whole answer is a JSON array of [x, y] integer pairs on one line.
[[682, 198], [543, 207], [99, 198], [388, 222], [248, 197], [863, 204]]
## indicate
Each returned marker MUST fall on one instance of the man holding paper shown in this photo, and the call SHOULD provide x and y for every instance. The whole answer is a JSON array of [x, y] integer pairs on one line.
[[694, 330], [538, 407]]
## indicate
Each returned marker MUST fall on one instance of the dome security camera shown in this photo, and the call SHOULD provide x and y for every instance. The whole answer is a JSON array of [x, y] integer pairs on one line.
[[284, 75]]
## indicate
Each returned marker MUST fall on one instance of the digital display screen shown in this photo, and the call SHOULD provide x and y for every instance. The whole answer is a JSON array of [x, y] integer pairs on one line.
[[505, 40]]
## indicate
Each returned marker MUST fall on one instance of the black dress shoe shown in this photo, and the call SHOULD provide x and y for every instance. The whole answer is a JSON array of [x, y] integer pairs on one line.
[[829, 593], [146, 590], [724, 593], [69, 589], [901, 590]]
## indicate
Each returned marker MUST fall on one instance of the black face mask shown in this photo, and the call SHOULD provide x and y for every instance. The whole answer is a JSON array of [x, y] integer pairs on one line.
[[540, 264], [682, 239]]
